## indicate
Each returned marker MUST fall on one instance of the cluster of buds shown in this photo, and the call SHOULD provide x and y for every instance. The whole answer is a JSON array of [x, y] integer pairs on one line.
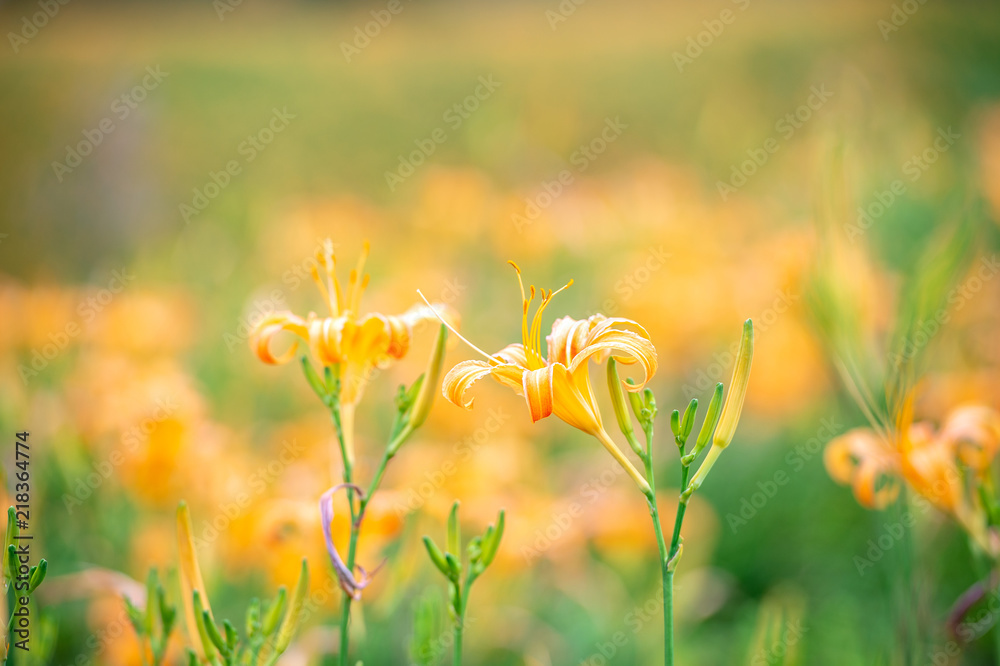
[[482, 550], [269, 627]]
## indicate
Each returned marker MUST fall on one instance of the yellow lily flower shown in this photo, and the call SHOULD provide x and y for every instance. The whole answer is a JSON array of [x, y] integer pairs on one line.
[[560, 384], [351, 343]]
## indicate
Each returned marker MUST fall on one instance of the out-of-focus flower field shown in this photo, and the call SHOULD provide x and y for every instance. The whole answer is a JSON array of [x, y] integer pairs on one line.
[[170, 171]]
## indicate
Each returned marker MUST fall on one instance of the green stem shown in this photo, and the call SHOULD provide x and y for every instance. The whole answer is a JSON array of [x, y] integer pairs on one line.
[[666, 574], [345, 614], [348, 475], [459, 628]]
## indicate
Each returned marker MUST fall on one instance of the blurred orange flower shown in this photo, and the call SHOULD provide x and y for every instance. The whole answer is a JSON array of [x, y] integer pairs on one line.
[[929, 461], [352, 344]]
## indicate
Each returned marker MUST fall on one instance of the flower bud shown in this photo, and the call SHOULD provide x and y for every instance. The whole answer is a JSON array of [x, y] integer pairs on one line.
[[291, 621], [618, 402], [454, 531], [737, 390], [429, 387]]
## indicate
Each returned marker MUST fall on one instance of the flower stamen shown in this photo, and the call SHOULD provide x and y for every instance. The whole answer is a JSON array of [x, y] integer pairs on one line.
[[451, 328]]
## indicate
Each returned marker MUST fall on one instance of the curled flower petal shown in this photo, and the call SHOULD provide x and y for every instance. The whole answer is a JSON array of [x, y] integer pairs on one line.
[[627, 347], [268, 327], [859, 459], [461, 378], [973, 432]]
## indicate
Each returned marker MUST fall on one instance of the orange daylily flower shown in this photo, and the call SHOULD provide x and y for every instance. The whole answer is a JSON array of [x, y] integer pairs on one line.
[[928, 460], [351, 343], [560, 384]]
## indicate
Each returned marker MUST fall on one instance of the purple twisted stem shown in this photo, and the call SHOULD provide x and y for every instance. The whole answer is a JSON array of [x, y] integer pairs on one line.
[[351, 585]]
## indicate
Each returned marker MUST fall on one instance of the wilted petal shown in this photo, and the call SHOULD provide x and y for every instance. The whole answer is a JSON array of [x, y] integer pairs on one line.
[[351, 585]]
